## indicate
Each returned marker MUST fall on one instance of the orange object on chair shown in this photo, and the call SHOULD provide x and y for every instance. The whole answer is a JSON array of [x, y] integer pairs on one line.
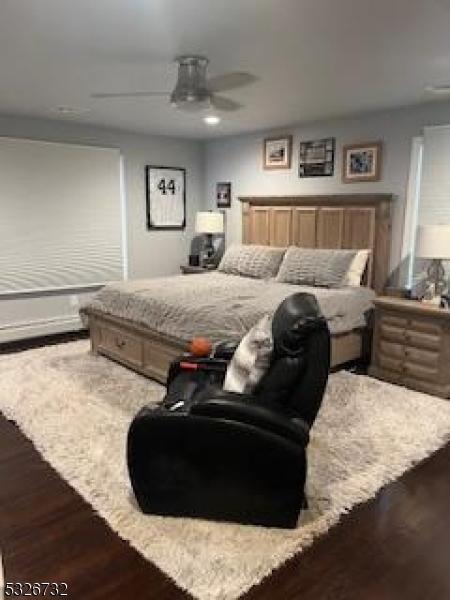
[[200, 346]]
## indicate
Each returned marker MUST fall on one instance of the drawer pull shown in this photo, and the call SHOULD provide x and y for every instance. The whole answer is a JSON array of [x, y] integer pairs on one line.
[[122, 345]]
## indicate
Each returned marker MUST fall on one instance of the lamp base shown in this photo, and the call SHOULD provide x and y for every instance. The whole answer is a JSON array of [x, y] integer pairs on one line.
[[436, 275], [435, 282], [208, 251]]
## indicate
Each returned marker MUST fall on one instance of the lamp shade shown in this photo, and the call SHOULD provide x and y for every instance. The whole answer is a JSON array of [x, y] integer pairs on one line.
[[209, 222], [433, 241]]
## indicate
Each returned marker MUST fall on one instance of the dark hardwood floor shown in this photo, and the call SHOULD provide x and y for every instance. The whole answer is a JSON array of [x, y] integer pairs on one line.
[[396, 546]]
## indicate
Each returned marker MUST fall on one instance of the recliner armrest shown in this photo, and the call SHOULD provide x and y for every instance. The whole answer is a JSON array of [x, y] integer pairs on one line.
[[234, 407], [188, 363]]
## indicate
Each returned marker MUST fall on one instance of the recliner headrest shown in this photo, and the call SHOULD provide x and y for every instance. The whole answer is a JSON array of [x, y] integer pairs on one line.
[[296, 317]]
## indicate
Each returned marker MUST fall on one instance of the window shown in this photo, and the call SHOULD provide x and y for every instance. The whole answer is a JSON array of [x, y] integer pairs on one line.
[[412, 204], [428, 196], [61, 216]]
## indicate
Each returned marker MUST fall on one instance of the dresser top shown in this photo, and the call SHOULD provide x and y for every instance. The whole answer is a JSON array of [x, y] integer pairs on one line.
[[412, 306]]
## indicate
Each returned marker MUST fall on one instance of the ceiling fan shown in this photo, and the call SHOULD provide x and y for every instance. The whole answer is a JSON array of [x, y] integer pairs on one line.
[[193, 91]]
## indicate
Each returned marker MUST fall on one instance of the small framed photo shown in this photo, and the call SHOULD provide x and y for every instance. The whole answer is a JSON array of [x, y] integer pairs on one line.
[[277, 152], [316, 158], [361, 162], [223, 194]]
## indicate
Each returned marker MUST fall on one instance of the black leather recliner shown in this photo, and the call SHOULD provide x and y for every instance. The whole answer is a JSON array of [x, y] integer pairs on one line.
[[220, 455]]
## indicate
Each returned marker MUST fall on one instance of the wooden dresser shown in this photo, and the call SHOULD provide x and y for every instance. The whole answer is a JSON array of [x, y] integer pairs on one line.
[[411, 345]]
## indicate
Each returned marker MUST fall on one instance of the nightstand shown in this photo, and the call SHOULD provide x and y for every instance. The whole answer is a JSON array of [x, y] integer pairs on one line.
[[191, 270], [411, 345]]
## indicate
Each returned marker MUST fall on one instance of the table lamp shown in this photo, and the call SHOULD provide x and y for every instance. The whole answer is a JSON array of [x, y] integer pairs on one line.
[[209, 223], [433, 243]]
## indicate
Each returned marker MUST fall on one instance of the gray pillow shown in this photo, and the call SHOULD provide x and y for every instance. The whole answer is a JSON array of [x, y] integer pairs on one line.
[[314, 266], [252, 261]]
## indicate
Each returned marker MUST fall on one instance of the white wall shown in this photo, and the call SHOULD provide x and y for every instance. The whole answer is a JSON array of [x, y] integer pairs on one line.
[[151, 253], [239, 159], [236, 159]]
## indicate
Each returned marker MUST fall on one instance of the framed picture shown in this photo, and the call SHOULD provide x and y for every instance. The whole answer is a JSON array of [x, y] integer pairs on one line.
[[277, 152], [166, 197], [361, 162], [223, 194], [316, 158]]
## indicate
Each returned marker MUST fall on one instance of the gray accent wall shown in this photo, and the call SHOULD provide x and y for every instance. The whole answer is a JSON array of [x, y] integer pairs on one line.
[[239, 159], [151, 253]]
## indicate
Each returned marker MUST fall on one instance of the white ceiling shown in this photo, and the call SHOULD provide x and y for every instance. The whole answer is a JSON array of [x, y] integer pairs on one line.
[[313, 58]]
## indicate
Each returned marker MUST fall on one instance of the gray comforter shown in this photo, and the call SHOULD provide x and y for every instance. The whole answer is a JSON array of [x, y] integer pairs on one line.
[[219, 306]]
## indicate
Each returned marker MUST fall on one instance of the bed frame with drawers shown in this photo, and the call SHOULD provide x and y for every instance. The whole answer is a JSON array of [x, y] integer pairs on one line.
[[329, 221]]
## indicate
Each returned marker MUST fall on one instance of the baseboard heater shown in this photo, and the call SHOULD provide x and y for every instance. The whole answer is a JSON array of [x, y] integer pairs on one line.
[[40, 327]]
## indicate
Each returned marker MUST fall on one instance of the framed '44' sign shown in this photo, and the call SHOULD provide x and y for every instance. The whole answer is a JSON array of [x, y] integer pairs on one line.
[[166, 197]]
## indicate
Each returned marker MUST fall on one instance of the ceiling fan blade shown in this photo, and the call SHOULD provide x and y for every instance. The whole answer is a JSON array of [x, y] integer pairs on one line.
[[230, 81], [129, 94], [225, 104]]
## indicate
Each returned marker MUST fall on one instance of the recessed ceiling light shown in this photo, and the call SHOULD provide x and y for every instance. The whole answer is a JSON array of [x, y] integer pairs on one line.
[[70, 110], [439, 89], [212, 120]]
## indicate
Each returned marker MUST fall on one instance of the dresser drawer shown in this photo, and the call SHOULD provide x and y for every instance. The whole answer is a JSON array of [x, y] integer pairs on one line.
[[420, 372], [393, 321], [390, 364], [420, 356], [159, 357], [392, 333], [419, 339], [391, 349], [124, 346], [425, 326]]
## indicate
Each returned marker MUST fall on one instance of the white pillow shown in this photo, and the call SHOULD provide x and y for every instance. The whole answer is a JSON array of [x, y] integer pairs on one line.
[[251, 359], [357, 268]]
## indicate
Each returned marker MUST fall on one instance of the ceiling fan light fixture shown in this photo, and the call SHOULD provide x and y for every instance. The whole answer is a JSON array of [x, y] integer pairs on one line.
[[212, 119], [191, 91], [190, 103]]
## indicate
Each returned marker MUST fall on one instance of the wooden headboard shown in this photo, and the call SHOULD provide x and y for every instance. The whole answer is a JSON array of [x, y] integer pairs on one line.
[[335, 221]]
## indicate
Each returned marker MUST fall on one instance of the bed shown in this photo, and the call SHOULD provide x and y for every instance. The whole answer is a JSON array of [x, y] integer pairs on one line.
[[144, 324]]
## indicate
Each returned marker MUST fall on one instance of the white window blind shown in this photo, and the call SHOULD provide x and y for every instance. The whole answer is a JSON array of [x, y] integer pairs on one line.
[[60, 216], [434, 201]]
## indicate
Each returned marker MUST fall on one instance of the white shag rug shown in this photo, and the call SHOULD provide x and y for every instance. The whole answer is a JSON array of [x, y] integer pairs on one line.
[[76, 408]]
